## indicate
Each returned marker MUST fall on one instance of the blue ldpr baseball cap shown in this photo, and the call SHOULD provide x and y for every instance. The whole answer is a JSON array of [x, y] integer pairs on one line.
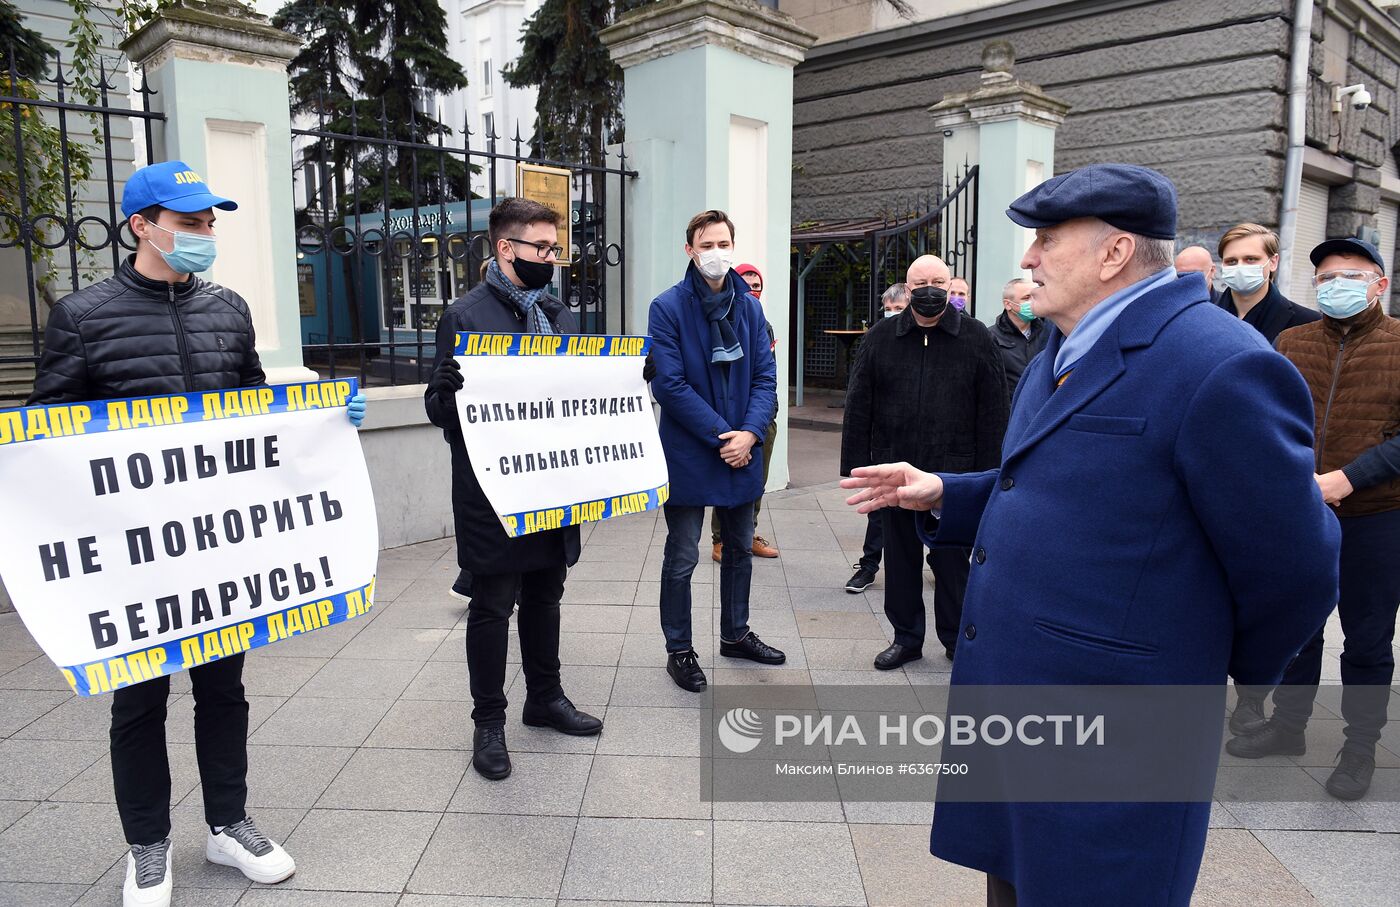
[[1132, 198], [173, 185]]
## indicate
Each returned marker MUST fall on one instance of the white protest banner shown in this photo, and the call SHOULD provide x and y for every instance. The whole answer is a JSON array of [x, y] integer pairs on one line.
[[146, 536], [559, 428]]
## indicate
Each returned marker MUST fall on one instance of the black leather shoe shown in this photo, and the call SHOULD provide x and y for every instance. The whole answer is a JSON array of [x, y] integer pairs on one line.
[[1271, 741], [1352, 777], [490, 757], [1248, 716], [684, 668], [897, 655], [561, 715], [752, 648]]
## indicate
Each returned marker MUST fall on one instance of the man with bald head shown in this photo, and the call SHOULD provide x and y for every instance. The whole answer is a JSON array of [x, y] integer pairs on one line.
[[928, 388], [1197, 260]]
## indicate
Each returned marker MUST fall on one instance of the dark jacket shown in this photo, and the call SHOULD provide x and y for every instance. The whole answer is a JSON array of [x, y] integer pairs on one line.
[[700, 400], [129, 336], [1017, 350], [482, 544], [1274, 313], [1353, 370], [1147, 568], [933, 397]]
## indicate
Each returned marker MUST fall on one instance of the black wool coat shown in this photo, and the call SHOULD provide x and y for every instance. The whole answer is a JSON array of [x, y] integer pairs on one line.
[[933, 397], [482, 545], [1273, 315]]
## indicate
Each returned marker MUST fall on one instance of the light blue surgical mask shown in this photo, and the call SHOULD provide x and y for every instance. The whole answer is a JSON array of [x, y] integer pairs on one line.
[[191, 254], [1026, 313], [890, 313], [1341, 297], [1242, 278]]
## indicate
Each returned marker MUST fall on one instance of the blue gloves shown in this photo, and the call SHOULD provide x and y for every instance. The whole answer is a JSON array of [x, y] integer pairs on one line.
[[355, 409]]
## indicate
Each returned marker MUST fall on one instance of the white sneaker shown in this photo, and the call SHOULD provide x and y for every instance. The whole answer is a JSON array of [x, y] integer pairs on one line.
[[147, 876], [248, 850]]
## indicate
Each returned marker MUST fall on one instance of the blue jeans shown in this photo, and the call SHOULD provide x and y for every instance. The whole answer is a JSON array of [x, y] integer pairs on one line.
[[683, 525]]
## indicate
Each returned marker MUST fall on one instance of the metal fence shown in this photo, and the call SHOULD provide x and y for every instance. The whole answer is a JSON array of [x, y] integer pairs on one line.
[[60, 222], [840, 270], [375, 274]]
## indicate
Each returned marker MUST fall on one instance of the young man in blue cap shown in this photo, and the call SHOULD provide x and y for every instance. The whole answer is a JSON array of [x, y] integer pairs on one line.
[[1351, 361], [156, 328], [1121, 464]]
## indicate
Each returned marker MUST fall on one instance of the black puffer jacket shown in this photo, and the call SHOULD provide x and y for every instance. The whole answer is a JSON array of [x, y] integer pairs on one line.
[[482, 545], [129, 336], [933, 397]]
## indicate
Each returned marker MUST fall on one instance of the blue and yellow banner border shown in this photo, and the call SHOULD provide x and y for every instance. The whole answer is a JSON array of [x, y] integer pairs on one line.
[[528, 521], [470, 343], [66, 420], [108, 674]]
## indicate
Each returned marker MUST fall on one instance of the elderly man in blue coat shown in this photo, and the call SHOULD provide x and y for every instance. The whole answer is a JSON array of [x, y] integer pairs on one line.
[[716, 382], [1151, 447]]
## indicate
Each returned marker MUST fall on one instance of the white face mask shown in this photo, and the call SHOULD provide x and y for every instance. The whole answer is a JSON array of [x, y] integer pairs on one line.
[[715, 263], [890, 313], [1242, 278]]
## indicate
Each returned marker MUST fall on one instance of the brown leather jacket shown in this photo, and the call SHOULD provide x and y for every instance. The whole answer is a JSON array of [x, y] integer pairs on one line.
[[1353, 370]]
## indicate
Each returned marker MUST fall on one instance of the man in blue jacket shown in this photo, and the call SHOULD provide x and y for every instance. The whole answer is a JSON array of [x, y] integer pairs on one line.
[[1151, 446], [716, 381]]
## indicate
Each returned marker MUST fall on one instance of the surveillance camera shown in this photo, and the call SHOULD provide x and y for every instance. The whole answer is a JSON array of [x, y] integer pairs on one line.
[[1360, 97]]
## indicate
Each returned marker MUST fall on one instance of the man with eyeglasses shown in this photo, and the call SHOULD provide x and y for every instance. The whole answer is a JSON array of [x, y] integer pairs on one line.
[[511, 300], [1351, 360]]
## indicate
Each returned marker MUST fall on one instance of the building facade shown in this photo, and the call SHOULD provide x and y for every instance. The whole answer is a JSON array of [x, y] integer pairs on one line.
[[1194, 88], [484, 37]]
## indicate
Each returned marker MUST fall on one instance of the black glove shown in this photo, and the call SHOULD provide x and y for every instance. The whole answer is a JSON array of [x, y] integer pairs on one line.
[[648, 369], [447, 378]]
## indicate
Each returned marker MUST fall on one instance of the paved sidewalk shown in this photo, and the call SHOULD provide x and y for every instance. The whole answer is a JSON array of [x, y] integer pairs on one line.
[[361, 738]]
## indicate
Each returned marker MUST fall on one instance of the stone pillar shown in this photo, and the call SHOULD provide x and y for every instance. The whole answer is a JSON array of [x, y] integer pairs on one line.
[[220, 74], [708, 105], [1007, 128], [1352, 206]]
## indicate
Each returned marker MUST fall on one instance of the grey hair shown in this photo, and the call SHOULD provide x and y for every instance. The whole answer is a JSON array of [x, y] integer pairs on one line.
[[1149, 255], [1011, 285], [895, 292]]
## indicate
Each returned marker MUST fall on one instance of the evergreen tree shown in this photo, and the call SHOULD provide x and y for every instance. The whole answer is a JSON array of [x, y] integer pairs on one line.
[[579, 107], [368, 67], [31, 51]]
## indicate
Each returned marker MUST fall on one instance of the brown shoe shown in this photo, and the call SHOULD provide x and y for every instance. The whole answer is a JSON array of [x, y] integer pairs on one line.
[[719, 548], [761, 548]]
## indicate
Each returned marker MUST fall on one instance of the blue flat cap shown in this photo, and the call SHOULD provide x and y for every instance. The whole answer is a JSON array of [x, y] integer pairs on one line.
[[1347, 245], [1129, 197]]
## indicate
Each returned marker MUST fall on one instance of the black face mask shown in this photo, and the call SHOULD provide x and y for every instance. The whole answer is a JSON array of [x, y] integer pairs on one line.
[[928, 302], [534, 274]]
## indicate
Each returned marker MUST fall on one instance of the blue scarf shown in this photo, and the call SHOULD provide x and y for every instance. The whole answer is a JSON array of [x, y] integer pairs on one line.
[[718, 309], [525, 301]]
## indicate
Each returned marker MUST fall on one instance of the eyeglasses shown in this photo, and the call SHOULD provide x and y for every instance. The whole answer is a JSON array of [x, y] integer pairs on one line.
[[1368, 277], [544, 249]]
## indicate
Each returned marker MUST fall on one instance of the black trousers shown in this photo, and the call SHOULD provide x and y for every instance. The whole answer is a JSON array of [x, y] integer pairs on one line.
[[488, 634], [874, 541], [1000, 893], [904, 581], [141, 766], [1368, 598]]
